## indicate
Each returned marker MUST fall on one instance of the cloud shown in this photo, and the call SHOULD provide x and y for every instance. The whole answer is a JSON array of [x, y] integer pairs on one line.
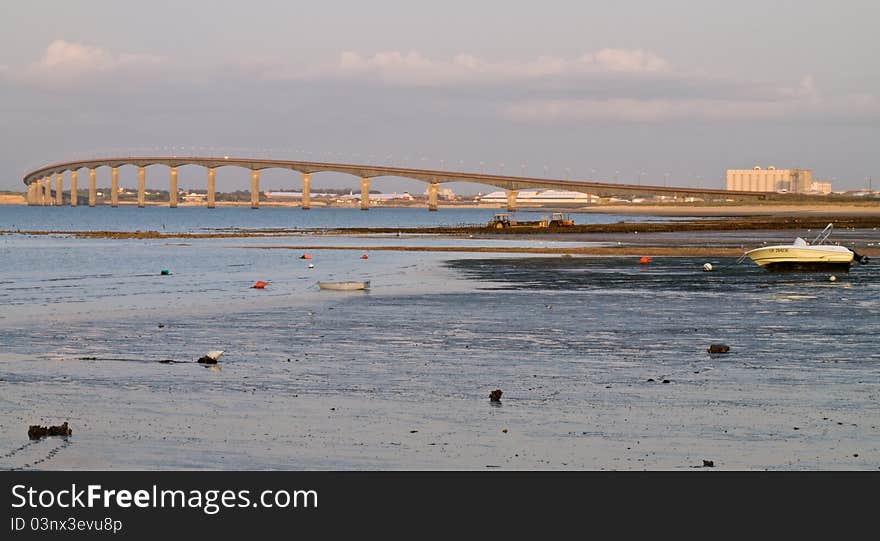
[[635, 61], [802, 103], [417, 69], [641, 110], [63, 60], [606, 85]]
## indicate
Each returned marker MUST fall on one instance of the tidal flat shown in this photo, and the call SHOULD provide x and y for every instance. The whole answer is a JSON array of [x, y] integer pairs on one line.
[[603, 362]]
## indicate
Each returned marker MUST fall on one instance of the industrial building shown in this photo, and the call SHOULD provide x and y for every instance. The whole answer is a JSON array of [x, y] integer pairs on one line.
[[539, 198], [770, 180]]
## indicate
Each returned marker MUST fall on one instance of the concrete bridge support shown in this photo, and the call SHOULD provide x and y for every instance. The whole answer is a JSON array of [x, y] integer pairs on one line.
[[142, 186], [365, 194], [306, 203], [59, 188], [31, 195], [433, 190], [47, 191], [255, 189], [92, 190], [211, 188], [73, 194], [511, 200], [172, 188], [114, 187]]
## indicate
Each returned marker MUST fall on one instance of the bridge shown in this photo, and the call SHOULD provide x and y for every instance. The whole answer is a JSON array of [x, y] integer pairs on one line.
[[39, 181]]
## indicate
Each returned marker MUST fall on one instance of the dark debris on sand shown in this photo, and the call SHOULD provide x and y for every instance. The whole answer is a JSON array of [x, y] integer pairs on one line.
[[36, 432]]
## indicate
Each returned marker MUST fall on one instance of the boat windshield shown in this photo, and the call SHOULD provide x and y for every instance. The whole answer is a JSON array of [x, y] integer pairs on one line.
[[800, 242], [823, 236]]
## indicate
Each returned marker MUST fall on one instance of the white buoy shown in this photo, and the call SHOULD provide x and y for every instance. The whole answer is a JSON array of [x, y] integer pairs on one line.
[[311, 265], [832, 278], [707, 267]]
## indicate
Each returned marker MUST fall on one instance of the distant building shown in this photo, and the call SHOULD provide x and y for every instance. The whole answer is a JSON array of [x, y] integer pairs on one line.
[[539, 197], [296, 195], [377, 197], [769, 180], [823, 188]]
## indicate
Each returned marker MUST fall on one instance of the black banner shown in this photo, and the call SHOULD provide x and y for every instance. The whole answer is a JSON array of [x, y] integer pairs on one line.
[[143, 505]]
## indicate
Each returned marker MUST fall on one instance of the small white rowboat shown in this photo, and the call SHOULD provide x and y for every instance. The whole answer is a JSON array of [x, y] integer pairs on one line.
[[345, 286]]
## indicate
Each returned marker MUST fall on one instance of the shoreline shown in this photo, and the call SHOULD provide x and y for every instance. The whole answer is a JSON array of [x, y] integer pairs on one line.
[[753, 223]]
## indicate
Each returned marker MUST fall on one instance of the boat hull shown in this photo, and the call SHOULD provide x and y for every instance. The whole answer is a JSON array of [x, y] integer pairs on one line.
[[802, 259], [344, 286]]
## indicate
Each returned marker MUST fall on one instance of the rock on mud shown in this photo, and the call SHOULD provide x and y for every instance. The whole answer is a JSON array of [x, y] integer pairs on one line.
[[211, 357], [36, 432], [719, 348], [495, 396]]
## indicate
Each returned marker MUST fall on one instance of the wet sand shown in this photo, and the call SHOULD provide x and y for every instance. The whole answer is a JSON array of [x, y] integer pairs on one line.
[[399, 377], [640, 250]]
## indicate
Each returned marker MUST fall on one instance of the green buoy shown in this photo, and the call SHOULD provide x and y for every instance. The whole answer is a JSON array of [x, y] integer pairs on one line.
[[165, 272]]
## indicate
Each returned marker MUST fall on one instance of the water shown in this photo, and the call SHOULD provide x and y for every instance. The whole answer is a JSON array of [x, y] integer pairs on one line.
[[399, 376], [200, 219]]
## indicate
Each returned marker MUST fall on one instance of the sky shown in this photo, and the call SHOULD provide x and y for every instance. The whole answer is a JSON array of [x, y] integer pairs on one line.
[[633, 91]]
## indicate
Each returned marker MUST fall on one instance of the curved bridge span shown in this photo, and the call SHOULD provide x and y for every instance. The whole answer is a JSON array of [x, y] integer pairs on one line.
[[40, 192]]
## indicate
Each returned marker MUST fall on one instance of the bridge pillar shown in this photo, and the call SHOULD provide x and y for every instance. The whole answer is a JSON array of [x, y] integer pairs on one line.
[[172, 188], [433, 189], [365, 194], [59, 188], [306, 191], [142, 186], [31, 195], [211, 189], [73, 195], [92, 190], [511, 200], [47, 190], [255, 189], [114, 187]]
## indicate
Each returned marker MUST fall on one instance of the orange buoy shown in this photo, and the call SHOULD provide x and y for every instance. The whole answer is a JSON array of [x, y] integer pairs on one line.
[[306, 256], [644, 260], [365, 256], [259, 285]]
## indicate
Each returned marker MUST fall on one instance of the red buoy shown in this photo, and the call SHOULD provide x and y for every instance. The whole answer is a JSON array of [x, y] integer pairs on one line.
[[259, 285], [644, 260], [306, 256], [365, 256]]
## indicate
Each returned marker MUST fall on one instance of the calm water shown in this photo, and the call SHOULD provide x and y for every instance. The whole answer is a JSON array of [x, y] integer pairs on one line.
[[200, 219], [398, 377]]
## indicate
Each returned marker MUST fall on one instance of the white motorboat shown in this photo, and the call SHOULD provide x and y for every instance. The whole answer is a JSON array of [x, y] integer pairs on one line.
[[803, 256], [345, 286]]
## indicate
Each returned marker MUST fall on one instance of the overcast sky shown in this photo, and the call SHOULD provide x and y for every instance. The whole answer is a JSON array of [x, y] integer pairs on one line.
[[629, 89]]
